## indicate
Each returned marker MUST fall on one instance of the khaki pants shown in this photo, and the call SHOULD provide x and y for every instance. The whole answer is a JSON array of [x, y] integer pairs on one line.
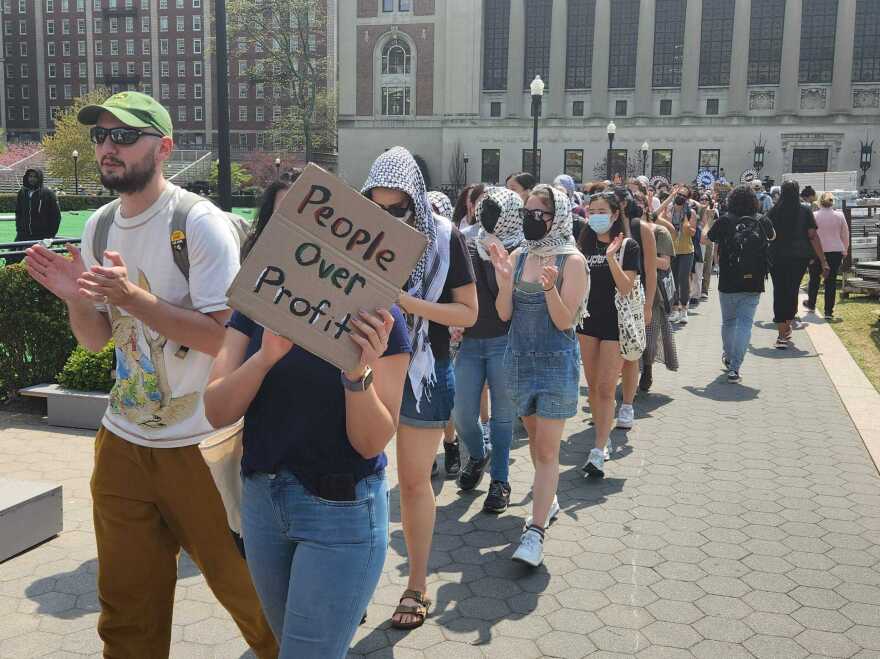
[[148, 503]]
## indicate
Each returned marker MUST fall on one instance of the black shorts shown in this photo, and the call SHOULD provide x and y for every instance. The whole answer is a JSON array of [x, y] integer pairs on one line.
[[603, 327]]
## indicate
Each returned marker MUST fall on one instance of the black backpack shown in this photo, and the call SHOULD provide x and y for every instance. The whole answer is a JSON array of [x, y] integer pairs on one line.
[[747, 251]]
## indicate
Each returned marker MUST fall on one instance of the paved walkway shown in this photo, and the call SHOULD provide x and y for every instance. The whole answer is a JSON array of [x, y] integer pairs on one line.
[[734, 521]]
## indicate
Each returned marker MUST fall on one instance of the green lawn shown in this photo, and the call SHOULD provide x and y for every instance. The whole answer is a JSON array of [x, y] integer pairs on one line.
[[859, 329], [72, 223]]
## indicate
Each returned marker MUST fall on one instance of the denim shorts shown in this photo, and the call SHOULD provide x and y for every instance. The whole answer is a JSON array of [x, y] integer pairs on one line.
[[546, 385], [436, 405]]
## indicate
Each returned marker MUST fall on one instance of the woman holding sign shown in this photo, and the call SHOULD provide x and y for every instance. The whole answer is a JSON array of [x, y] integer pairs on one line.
[[440, 294], [542, 291], [315, 497]]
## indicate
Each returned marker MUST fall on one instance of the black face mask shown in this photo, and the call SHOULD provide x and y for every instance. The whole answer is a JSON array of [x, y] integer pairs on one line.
[[534, 228], [680, 199], [633, 211], [489, 214]]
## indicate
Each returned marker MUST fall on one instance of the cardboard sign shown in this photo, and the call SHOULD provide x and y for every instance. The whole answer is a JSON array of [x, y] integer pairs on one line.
[[325, 254]]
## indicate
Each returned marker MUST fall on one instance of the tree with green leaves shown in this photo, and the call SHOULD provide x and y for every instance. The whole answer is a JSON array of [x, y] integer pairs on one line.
[[287, 39], [72, 136], [240, 176]]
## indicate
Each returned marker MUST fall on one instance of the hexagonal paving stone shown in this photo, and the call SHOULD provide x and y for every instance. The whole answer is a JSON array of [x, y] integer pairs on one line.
[[627, 617], [675, 611], [774, 647], [630, 594], [623, 642], [715, 649], [716, 628], [565, 644], [727, 586], [821, 598], [484, 608], [672, 589], [583, 600], [822, 619], [671, 634], [762, 600], [578, 622], [826, 644]]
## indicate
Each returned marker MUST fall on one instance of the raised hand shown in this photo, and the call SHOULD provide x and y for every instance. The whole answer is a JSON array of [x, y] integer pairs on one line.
[[273, 347], [502, 263], [549, 275], [111, 284], [614, 246], [373, 330], [55, 272]]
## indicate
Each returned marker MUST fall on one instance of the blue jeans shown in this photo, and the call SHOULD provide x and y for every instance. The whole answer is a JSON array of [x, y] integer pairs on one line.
[[480, 361], [314, 563], [435, 408], [737, 316]]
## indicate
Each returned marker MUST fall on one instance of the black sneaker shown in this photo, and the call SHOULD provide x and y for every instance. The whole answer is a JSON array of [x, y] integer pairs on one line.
[[498, 498], [472, 473], [452, 461]]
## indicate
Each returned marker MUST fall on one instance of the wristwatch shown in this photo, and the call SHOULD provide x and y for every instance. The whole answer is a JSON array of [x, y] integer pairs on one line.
[[364, 383]]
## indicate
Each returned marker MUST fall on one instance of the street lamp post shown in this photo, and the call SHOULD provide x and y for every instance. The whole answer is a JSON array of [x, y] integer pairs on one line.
[[466, 160], [75, 155], [611, 129], [758, 157], [865, 159], [537, 90], [277, 168], [645, 148]]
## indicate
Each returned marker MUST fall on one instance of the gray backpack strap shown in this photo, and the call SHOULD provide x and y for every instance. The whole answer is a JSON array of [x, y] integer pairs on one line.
[[102, 230], [179, 247]]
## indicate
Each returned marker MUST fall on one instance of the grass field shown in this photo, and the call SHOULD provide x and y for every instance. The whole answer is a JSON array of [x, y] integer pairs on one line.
[[72, 223], [858, 327]]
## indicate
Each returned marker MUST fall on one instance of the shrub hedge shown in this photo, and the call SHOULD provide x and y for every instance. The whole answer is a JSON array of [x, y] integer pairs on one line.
[[83, 202], [89, 371], [36, 337]]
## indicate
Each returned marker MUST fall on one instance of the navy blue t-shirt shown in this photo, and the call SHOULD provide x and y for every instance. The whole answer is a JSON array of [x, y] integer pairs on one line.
[[297, 419]]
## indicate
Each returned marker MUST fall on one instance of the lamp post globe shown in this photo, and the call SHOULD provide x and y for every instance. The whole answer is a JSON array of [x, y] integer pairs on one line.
[[645, 148], [277, 167], [611, 130], [75, 156]]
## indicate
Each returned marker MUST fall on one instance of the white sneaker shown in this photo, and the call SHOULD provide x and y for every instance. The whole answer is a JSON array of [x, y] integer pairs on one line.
[[674, 315], [683, 318], [626, 417], [531, 548], [607, 452], [595, 465], [554, 513]]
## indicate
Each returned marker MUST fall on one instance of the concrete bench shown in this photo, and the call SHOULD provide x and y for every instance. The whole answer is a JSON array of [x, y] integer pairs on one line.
[[30, 513], [70, 409]]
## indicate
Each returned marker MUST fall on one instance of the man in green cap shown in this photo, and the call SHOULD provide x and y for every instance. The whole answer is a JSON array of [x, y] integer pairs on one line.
[[151, 489]]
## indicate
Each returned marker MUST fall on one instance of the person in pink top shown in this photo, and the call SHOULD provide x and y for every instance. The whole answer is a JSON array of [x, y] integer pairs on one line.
[[834, 236]]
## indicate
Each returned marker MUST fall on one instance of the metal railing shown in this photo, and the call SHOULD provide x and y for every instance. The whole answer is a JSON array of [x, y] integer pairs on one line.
[[16, 250]]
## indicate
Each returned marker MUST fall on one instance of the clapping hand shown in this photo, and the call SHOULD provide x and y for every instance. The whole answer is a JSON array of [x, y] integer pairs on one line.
[[503, 265], [549, 275], [614, 247], [55, 272]]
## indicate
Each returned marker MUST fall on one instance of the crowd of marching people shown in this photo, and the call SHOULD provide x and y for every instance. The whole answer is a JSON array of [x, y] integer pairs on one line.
[[522, 287]]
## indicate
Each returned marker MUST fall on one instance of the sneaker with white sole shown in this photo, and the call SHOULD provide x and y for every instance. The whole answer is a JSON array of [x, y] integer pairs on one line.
[[734, 377], [554, 513], [683, 318], [595, 465], [674, 315], [531, 547], [725, 362], [626, 417], [607, 452]]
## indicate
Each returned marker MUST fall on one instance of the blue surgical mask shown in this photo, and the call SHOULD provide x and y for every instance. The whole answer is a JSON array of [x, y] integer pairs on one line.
[[600, 222]]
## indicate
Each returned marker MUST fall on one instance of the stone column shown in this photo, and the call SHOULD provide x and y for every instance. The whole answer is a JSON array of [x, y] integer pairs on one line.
[[208, 94], [739, 59], [789, 97], [645, 59], [601, 44], [516, 59], [2, 82], [90, 43], [554, 105], [841, 86], [690, 65], [154, 45], [40, 73]]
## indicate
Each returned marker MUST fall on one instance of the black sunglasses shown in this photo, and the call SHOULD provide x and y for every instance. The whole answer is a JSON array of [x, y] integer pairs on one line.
[[396, 210], [534, 213], [120, 135]]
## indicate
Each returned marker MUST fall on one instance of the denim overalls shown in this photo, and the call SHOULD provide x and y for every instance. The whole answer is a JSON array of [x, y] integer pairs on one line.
[[542, 362]]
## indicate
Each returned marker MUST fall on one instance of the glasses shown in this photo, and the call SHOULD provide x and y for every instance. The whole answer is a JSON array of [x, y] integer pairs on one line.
[[122, 135], [396, 211], [605, 194], [534, 214]]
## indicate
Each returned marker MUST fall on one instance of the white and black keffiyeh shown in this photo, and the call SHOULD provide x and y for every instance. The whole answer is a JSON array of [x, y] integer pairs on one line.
[[559, 240], [440, 203], [397, 169], [509, 227]]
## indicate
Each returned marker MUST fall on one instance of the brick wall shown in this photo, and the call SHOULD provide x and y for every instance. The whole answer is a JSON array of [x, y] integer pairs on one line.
[[423, 8], [367, 8]]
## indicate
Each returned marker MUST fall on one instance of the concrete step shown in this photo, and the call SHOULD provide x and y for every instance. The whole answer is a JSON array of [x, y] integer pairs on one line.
[[30, 512]]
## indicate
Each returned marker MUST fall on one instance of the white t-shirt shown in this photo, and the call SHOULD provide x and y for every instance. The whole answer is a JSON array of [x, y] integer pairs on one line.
[[655, 204], [157, 398]]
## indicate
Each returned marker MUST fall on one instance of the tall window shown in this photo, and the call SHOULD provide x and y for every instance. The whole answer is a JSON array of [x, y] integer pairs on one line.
[[765, 41], [661, 163], [573, 164], [579, 44], [496, 33], [527, 165], [395, 57], [539, 22], [817, 40], [710, 160], [716, 39], [491, 165], [866, 42], [624, 44], [668, 42], [396, 101]]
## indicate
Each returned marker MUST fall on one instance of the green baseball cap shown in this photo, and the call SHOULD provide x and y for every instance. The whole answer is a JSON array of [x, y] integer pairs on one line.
[[133, 109]]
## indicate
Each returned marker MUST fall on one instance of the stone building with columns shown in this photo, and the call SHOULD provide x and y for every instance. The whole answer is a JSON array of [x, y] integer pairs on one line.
[[703, 82]]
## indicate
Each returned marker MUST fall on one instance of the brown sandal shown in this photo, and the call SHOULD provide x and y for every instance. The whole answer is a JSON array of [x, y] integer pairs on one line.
[[420, 611]]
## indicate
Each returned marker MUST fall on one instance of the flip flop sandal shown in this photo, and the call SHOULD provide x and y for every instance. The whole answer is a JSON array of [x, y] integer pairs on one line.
[[420, 610]]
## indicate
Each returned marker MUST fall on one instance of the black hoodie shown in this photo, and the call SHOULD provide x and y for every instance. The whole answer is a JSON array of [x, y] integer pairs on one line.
[[37, 215]]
